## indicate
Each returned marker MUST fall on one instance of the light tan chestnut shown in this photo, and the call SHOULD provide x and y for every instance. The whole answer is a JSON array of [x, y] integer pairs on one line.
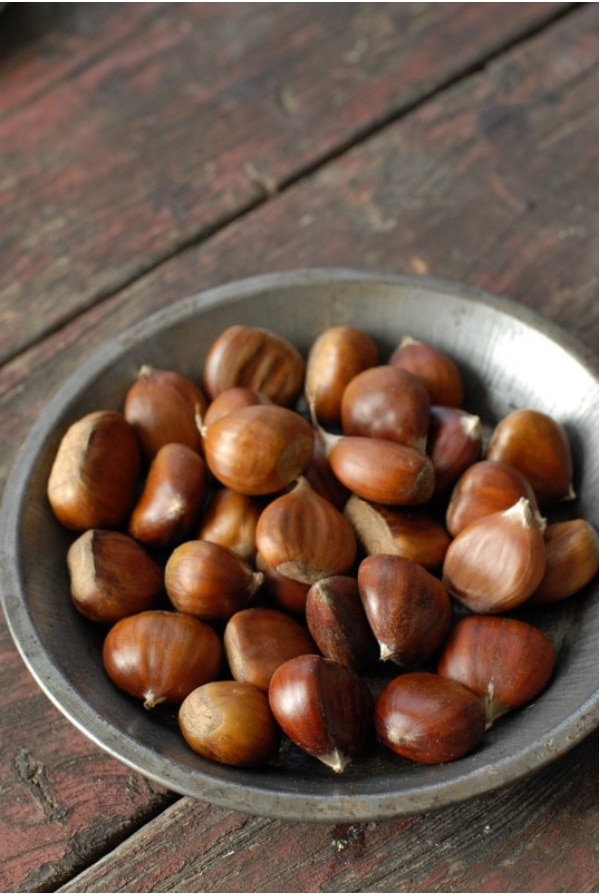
[[163, 406], [413, 533], [231, 723], [381, 471], [407, 607], [436, 369], [571, 560], [95, 474], [112, 576], [337, 355], [325, 708], [230, 518], [538, 445], [258, 639], [505, 661], [497, 562], [485, 487], [256, 358], [303, 536], [387, 402], [160, 656], [259, 450], [428, 718], [454, 443], [172, 497], [210, 581]]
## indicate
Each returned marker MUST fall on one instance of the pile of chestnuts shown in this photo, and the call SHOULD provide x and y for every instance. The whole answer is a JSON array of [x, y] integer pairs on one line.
[[329, 548]]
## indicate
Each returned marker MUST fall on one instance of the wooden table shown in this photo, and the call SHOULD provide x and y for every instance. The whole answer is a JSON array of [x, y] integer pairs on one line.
[[151, 150]]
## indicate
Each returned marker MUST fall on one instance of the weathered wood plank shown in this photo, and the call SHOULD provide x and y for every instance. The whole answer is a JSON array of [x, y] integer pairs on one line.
[[424, 174], [183, 116], [501, 842]]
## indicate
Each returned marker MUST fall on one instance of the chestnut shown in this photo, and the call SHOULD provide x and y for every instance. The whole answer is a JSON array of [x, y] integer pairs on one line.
[[230, 519], [163, 405], [571, 560], [112, 576], [303, 536], [325, 708], [407, 607], [505, 661], [428, 718], [434, 367], [486, 486], [497, 562], [258, 450], [256, 358], [231, 723], [258, 639], [337, 622], [336, 356], [538, 445], [381, 471], [454, 443], [413, 533], [172, 497], [160, 656], [95, 473], [209, 581], [387, 402]]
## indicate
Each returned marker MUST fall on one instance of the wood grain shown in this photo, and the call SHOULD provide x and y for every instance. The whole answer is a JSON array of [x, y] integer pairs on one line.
[[488, 181], [183, 116], [500, 842]]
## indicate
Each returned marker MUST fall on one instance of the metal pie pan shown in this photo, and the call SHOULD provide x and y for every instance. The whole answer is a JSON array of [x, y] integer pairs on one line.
[[510, 358]]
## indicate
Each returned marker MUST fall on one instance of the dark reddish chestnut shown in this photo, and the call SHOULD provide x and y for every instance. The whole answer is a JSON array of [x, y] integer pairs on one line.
[[428, 718], [337, 622], [324, 708], [505, 661], [407, 607]]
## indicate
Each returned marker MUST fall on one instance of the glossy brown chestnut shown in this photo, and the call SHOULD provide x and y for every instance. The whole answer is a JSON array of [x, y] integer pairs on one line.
[[256, 358], [231, 723], [210, 581], [337, 355], [95, 474], [284, 592], [498, 561], [571, 560], [454, 443], [112, 576], [160, 656], [172, 497], [259, 450], [227, 401], [506, 662], [539, 447], [336, 619], [412, 533], [408, 608], [163, 406], [485, 487], [428, 718], [436, 369], [326, 709], [230, 519], [303, 536], [257, 640], [387, 402], [382, 471]]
